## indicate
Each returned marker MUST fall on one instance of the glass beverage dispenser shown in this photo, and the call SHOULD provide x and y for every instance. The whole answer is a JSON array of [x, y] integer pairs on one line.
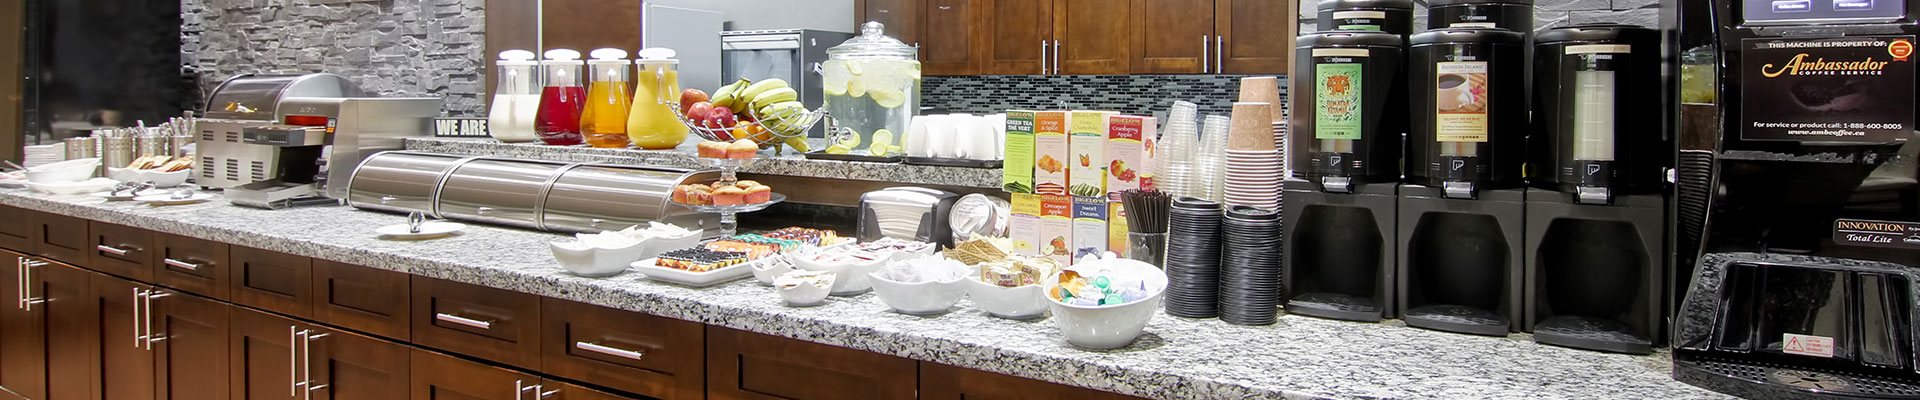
[[516, 101], [561, 100], [652, 124], [604, 119], [872, 88], [1469, 110], [1597, 130]]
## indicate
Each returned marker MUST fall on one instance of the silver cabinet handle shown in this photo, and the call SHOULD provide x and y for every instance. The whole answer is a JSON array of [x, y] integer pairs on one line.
[[520, 389], [1220, 54], [612, 351], [137, 337], [1056, 56], [180, 264], [306, 358], [1204, 39], [113, 250], [463, 320], [20, 283], [152, 337], [27, 299], [545, 394], [1043, 56], [293, 360]]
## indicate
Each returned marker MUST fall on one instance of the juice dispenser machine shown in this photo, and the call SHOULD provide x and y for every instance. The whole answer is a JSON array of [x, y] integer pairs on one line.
[[1805, 285]]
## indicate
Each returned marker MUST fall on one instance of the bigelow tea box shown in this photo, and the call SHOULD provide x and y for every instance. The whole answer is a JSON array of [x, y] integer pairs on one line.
[[1117, 228], [1089, 226], [1087, 134], [1056, 228], [1050, 153], [1024, 228], [1130, 148], [1017, 174]]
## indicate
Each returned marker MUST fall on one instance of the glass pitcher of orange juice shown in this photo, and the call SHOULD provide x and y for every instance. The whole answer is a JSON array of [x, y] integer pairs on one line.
[[604, 122], [652, 123]]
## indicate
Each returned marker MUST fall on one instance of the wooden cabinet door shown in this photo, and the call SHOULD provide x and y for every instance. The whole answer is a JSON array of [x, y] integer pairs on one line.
[[339, 365], [1094, 37], [262, 358], [745, 365], [586, 25], [271, 281], [1016, 37], [901, 17], [191, 265], [1173, 36], [45, 342], [360, 298], [477, 321], [441, 377], [654, 356], [945, 382], [951, 28], [17, 231], [120, 250], [190, 336], [556, 390], [61, 238], [1257, 35], [125, 370]]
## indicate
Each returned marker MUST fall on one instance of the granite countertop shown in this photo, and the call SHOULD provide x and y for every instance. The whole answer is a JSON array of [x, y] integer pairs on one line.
[[789, 164], [1299, 357]]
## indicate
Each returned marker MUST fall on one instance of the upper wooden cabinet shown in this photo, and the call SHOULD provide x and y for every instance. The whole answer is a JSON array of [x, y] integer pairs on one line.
[[1016, 37], [1256, 36], [951, 29], [901, 17], [1169, 41], [1091, 37]]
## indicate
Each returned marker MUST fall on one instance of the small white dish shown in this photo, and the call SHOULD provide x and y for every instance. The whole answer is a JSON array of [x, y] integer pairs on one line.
[[767, 271], [854, 277], [64, 171], [923, 298], [167, 199], [661, 244], [428, 230], [586, 260], [1108, 326], [1022, 302], [72, 188], [158, 178], [805, 288]]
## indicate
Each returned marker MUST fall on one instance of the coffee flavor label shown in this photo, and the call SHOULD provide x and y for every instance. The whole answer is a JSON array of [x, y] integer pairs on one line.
[[1852, 89], [1337, 101], [1460, 101]]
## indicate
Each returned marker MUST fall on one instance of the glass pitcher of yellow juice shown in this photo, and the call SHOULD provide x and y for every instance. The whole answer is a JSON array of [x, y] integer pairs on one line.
[[604, 121], [652, 123]]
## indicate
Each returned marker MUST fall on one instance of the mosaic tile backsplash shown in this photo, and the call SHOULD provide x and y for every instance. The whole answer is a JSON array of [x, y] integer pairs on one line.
[[1131, 94]]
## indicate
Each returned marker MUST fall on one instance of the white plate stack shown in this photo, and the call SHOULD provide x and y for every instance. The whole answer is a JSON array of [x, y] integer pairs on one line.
[[45, 154], [1254, 169]]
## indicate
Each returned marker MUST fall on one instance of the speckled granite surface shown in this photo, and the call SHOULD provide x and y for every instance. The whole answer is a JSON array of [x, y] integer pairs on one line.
[[1176, 359], [791, 165]]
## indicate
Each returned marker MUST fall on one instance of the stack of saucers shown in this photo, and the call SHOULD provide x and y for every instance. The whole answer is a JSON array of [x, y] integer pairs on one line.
[[1250, 276], [1193, 258]]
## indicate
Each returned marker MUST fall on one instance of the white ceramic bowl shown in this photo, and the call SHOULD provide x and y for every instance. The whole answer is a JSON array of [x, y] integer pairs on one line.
[[661, 244], [73, 187], [805, 295], [588, 261], [766, 271], [159, 179], [64, 171], [1025, 302], [1114, 326], [853, 278], [925, 298]]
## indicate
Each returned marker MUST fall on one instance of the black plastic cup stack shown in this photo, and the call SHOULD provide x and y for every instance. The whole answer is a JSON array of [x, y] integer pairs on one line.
[[1193, 258], [1250, 274]]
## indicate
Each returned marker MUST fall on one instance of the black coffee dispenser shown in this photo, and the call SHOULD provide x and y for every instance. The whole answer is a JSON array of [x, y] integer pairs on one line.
[[1805, 285], [1596, 233], [1513, 15], [1351, 96], [1390, 16], [1461, 209]]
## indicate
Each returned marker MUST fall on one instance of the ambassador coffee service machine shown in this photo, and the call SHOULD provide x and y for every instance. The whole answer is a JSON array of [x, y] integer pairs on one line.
[[1805, 285]]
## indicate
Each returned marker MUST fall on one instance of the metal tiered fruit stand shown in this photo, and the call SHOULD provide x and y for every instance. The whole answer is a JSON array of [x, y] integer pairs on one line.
[[796, 124]]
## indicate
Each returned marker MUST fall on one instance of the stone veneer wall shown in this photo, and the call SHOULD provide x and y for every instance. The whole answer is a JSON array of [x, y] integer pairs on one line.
[[391, 47]]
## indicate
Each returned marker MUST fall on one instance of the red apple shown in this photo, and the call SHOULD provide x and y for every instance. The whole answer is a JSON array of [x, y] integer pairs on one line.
[[719, 118], [697, 111], [690, 97]]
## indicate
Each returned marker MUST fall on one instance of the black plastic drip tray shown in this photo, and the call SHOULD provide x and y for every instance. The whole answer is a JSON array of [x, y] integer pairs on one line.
[[1336, 306], [1755, 380], [1591, 334], [1457, 319]]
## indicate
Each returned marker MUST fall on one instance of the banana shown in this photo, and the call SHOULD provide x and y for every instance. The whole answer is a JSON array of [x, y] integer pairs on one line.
[[755, 89], [729, 96], [799, 143], [777, 95]]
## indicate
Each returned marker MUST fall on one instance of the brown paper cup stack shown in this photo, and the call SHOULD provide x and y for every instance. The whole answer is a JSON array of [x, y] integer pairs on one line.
[[1252, 127]]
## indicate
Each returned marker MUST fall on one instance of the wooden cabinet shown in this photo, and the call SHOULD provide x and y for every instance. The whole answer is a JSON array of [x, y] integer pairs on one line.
[[278, 358], [125, 366], [1256, 36], [189, 339], [944, 382], [361, 298], [951, 28], [648, 355], [263, 359], [190, 265], [1093, 37], [1173, 36], [271, 281], [442, 377], [901, 17], [44, 346], [1017, 37], [478, 321], [745, 365], [17, 230], [120, 250], [60, 238], [585, 25]]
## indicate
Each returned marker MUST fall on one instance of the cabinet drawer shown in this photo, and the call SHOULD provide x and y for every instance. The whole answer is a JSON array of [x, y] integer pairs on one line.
[[442, 377], [61, 238], [17, 231], [120, 250], [945, 382], [745, 365], [191, 265], [360, 298], [654, 356], [493, 324], [271, 281]]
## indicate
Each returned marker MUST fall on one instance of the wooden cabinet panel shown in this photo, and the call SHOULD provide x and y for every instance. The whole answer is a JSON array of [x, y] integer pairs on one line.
[[441, 377], [1254, 43], [585, 25], [567, 391], [61, 238], [1173, 36], [1094, 36], [125, 370], [190, 348], [348, 366], [644, 354], [120, 250], [901, 17], [945, 382], [271, 281], [951, 27], [361, 298], [744, 365], [262, 359], [488, 323], [191, 265], [1016, 37], [45, 347], [17, 231]]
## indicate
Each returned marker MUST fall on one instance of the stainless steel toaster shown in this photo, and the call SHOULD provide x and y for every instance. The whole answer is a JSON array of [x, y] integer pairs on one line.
[[910, 213]]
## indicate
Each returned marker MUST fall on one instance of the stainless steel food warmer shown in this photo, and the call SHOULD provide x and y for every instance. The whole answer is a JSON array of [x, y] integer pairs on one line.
[[544, 195], [248, 101]]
